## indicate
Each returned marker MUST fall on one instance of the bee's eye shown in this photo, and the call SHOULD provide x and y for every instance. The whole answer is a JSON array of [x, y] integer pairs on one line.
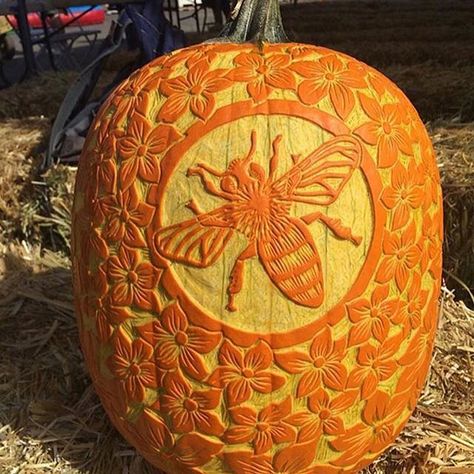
[[257, 172], [229, 184]]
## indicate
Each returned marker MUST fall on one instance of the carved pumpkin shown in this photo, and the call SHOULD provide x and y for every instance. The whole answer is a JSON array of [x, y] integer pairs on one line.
[[257, 259]]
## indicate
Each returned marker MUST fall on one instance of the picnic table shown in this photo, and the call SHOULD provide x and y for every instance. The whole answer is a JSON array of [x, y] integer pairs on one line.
[[21, 8]]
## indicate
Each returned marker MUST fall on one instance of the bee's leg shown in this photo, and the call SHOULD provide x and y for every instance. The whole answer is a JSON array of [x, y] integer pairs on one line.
[[194, 207], [335, 225], [209, 186], [204, 166], [237, 275]]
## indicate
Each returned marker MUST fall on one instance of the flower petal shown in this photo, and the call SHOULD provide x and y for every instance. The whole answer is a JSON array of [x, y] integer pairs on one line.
[[192, 363], [258, 357], [266, 382], [309, 382]]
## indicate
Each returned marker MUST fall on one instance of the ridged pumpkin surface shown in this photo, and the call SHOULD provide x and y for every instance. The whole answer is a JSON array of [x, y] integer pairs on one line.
[[257, 260]]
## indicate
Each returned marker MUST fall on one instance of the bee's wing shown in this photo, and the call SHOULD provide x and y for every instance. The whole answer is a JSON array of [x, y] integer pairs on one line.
[[319, 178], [199, 241], [292, 262]]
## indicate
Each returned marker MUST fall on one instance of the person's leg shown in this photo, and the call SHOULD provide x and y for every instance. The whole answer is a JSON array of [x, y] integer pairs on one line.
[[214, 5], [216, 10], [225, 7]]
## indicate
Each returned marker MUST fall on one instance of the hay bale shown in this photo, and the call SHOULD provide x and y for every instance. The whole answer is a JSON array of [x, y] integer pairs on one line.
[[454, 144]]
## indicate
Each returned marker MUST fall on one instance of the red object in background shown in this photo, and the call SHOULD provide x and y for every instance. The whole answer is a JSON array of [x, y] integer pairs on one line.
[[93, 17]]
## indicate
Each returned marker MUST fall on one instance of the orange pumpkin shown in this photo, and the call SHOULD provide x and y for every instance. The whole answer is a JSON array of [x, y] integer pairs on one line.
[[257, 258]]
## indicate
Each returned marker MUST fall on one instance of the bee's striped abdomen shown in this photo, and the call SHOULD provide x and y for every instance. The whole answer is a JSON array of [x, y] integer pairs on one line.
[[292, 262]]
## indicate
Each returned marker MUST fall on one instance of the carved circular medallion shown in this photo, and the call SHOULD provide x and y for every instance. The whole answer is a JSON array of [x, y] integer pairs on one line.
[[267, 217]]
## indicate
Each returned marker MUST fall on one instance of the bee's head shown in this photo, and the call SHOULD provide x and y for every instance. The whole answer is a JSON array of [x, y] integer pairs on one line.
[[242, 172]]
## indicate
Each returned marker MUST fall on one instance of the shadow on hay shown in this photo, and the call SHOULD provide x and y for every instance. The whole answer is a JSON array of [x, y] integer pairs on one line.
[[46, 397]]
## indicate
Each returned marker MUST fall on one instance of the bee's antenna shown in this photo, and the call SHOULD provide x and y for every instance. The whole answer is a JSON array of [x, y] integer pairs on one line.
[[275, 156], [253, 146]]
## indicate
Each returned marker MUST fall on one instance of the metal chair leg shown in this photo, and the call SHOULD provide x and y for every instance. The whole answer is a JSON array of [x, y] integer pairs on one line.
[[47, 40], [196, 16]]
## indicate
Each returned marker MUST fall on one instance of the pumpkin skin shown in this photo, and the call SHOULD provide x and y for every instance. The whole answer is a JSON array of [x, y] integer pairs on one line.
[[313, 182]]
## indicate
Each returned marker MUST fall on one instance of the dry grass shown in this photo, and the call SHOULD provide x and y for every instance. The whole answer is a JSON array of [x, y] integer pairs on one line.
[[50, 419], [454, 146]]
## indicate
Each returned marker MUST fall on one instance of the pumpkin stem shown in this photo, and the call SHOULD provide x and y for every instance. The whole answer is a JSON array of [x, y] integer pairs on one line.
[[255, 21]]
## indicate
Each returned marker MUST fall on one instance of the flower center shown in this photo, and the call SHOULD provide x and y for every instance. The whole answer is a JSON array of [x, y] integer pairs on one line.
[[134, 90], [124, 215], [387, 128], [401, 254], [181, 338], [248, 373], [134, 369], [319, 361], [132, 277], [324, 414], [403, 193], [263, 69], [141, 151], [190, 404], [330, 76], [374, 313], [196, 90], [262, 426]]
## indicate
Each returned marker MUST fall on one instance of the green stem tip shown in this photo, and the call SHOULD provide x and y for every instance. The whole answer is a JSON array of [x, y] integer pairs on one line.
[[257, 21]]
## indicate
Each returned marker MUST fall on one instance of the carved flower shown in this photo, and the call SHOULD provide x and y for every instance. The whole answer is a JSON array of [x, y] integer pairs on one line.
[[401, 254], [263, 73], [417, 358], [92, 245], [132, 280], [377, 81], [190, 410], [136, 93], [240, 373], [376, 364], [192, 56], [323, 364], [294, 459], [411, 314], [404, 194], [106, 315], [140, 149], [178, 344], [103, 168], [126, 213], [96, 282], [431, 258], [174, 456], [371, 318], [262, 429], [323, 415], [329, 76], [186, 459], [375, 434], [385, 130], [194, 92], [132, 364], [154, 435], [299, 51]]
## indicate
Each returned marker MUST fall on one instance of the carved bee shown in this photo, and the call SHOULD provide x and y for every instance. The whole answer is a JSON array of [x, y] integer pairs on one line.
[[258, 206]]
